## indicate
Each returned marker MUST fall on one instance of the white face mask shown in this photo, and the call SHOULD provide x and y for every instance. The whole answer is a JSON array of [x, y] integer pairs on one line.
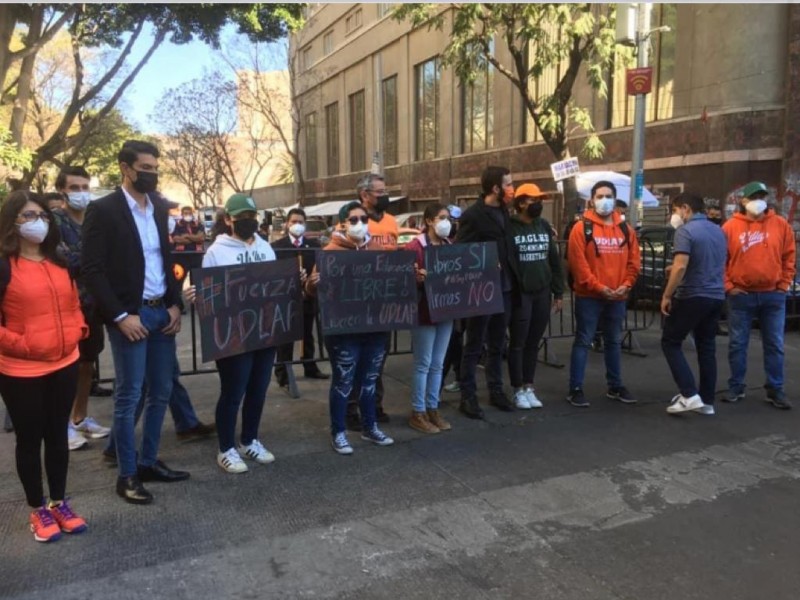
[[357, 231], [621, 217], [171, 225], [78, 200], [675, 220], [604, 206], [34, 231], [188, 218], [442, 228], [756, 207], [297, 230]]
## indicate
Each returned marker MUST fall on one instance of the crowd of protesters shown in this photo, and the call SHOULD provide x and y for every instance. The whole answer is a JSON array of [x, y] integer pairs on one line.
[[72, 272]]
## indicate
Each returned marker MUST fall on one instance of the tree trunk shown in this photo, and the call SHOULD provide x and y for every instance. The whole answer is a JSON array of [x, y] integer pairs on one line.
[[7, 23], [25, 81]]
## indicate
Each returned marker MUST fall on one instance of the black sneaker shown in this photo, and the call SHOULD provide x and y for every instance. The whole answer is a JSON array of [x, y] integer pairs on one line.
[[381, 416], [353, 422], [622, 394], [576, 398], [499, 400], [778, 399]]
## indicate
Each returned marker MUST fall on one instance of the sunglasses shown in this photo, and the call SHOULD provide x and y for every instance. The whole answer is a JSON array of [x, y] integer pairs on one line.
[[355, 220], [32, 215]]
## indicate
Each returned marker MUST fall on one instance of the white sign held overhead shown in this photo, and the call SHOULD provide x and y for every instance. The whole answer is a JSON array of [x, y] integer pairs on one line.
[[565, 169]]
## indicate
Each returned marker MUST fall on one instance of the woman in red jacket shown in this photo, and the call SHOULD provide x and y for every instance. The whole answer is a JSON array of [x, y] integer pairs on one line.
[[41, 326]]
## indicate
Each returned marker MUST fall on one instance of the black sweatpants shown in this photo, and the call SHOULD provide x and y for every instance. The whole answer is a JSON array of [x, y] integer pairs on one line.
[[39, 408]]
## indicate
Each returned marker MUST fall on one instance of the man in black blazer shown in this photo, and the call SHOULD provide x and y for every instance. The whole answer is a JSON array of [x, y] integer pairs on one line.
[[292, 244], [127, 267], [487, 221]]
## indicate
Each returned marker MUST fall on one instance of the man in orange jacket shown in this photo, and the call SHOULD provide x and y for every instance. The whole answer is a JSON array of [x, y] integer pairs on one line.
[[759, 272], [604, 260]]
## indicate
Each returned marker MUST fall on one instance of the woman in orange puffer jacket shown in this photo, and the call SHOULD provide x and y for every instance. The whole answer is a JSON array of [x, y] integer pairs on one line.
[[41, 325]]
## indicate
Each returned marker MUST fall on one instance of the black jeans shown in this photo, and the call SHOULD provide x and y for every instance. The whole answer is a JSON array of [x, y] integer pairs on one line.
[[492, 330], [700, 317], [529, 319], [454, 351], [39, 408], [286, 351]]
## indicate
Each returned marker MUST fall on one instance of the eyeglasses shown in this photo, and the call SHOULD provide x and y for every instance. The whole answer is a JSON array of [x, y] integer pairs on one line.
[[377, 192], [605, 197], [355, 220], [31, 215]]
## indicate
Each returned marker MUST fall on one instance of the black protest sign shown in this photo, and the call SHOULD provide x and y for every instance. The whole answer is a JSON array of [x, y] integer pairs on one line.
[[366, 291], [248, 307], [463, 281]]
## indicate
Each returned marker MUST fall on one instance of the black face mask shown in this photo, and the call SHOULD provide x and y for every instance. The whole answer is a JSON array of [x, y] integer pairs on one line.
[[381, 203], [245, 228], [146, 182], [716, 220], [535, 210]]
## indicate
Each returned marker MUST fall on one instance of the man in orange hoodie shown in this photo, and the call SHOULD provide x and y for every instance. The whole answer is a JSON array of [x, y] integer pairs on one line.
[[759, 272], [604, 260]]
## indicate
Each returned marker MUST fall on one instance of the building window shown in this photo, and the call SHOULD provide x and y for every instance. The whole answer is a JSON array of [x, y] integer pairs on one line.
[[477, 110], [358, 137], [305, 58], [426, 113], [327, 43], [311, 145], [332, 137], [389, 100], [353, 21], [384, 8]]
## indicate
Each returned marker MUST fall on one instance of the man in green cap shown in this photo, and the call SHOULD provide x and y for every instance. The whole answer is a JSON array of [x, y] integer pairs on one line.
[[760, 270]]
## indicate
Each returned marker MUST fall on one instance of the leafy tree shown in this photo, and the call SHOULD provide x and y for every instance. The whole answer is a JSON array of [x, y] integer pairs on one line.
[[538, 39], [120, 26]]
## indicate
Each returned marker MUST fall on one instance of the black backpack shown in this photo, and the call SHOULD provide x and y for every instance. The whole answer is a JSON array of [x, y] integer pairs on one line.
[[588, 235]]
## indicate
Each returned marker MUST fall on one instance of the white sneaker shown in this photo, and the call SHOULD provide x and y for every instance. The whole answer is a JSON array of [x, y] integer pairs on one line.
[[521, 399], [231, 462], [74, 439], [706, 409], [257, 452], [533, 401], [92, 429], [682, 404], [340, 443], [452, 387]]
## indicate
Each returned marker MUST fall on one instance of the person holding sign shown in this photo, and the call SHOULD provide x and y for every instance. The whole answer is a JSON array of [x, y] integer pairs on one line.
[[488, 221], [356, 359], [244, 378], [429, 339], [540, 277]]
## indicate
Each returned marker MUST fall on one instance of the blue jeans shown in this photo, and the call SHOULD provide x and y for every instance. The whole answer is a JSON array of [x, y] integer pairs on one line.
[[700, 317], [770, 310], [152, 359], [180, 405], [492, 330], [356, 361], [609, 314], [430, 345], [244, 376]]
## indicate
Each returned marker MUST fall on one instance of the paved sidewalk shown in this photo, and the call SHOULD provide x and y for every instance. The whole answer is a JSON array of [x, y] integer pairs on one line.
[[605, 503]]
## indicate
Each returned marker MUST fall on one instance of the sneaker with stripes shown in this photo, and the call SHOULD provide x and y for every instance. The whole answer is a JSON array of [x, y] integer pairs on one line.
[[44, 526], [256, 451], [231, 462], [66, 518]]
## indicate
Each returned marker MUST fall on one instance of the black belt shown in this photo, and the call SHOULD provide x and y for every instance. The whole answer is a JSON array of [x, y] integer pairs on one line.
[[153, 302]]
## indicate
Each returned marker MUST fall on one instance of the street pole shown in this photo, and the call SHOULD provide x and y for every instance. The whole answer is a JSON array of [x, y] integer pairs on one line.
[[637, 162]]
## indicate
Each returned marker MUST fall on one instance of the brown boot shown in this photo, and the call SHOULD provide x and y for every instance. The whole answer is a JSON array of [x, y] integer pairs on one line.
[[435, 419], [419, 421]]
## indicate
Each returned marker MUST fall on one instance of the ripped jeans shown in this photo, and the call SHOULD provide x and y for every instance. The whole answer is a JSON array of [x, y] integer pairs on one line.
[[356, 361]]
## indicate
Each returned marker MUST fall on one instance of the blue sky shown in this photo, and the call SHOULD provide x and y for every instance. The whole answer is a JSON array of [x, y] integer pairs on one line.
[[170, 66]]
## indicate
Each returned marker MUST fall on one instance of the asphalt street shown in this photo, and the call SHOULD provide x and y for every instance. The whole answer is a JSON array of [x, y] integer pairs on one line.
[[609, 502]]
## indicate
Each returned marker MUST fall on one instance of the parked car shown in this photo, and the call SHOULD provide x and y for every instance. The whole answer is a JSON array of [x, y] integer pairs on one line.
[[405, 235], [410, 220]]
